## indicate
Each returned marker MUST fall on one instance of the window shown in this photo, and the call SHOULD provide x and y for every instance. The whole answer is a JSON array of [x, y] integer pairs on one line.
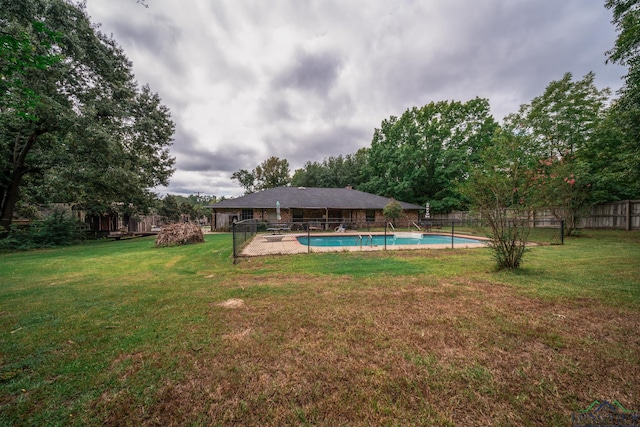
[[371, 215], [247, 214]]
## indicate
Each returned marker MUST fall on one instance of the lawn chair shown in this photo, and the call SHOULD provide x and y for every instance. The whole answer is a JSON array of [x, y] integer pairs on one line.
[[278, 228]]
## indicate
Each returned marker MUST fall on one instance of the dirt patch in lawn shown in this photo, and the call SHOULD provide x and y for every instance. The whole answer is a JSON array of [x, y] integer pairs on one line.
[[232, 303]]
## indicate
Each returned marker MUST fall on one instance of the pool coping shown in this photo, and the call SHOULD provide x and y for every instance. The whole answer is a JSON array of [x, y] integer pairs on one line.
[[262, 245]]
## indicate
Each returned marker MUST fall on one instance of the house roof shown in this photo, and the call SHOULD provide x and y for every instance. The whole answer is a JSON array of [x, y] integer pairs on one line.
[[309, 198]]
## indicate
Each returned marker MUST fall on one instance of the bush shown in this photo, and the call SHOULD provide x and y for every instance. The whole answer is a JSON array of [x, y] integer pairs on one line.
[[58, 229], [393, 210]]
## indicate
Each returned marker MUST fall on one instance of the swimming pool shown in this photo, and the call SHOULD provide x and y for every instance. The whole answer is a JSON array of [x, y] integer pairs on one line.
[[379, 240]]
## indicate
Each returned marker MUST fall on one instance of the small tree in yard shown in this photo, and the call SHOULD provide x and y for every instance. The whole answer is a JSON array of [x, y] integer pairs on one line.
[[393, 210], [503, 189], [565, 188]]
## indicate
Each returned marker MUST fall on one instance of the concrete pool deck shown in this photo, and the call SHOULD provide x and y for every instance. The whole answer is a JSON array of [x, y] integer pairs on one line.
[[263, 244]]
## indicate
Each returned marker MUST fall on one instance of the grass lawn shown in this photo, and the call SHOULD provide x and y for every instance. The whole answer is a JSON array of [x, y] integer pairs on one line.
[[122, 333]]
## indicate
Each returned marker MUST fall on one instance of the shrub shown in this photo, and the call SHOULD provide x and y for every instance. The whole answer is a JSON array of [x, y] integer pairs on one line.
[[58, 229], [393, 210]]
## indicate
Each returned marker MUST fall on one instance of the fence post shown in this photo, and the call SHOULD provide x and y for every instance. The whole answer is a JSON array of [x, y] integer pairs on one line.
[[452, 226], [309, 238], [385, 236], [562, 232], [233, 237]]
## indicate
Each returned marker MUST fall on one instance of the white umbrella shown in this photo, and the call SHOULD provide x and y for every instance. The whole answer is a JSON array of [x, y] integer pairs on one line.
[[278, 211], [427, 214]]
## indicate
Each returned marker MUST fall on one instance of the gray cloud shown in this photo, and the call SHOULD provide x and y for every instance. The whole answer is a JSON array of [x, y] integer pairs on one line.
[[493, 47], [157, 34], [191, 156], [315, 72], [304, 81], [299, 148], [227, 161]]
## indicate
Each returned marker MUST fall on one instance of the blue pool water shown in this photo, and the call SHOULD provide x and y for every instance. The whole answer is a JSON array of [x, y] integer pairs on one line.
[[378, 240]]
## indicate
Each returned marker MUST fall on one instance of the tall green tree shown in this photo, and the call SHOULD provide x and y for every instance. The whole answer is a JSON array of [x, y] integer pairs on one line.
[[561, 125], [74, 126], [333, 172], [21, 50], [246, 179], [626, 18], [272, 172], [422, 155], [622, 171]]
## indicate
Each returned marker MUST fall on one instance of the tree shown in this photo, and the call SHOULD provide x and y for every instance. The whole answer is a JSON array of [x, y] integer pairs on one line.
[[626, 18], [503, 188], [333, 172], [612, 159], [622, 170], [271, 173], [422, 155], [74, 126], [170, 209], [392, 210], [198, 203], [246, 179], [561, 124], [19, 54]]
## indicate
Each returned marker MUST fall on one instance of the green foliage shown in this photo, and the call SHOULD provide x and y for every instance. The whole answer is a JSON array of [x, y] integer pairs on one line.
[[271, 173], [561, 125], [422, 155], [503, 189], [57, 229], [393, 210], [21, 50], [170, 209], [74, 126], [626, 18], [246, 179], [620, 163], [332, 172], [612, 158], [563, 119]]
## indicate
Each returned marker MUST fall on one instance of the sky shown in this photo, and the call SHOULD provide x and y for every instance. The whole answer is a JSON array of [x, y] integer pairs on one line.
[[304, 80]]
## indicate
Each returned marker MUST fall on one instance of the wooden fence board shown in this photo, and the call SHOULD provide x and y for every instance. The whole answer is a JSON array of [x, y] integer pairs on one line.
[[622, 215]]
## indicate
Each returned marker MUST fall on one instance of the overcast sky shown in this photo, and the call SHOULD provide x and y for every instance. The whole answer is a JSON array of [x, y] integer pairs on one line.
[[308, 79]]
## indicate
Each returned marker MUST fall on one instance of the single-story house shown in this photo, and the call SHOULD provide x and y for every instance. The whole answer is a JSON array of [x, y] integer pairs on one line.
[[328, 207]]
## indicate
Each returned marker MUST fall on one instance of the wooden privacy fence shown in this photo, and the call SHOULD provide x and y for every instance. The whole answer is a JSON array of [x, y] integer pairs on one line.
[[622, 215]]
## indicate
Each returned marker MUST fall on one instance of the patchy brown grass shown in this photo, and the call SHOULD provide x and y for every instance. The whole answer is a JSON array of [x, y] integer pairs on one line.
[[455, 352], [133, 335]]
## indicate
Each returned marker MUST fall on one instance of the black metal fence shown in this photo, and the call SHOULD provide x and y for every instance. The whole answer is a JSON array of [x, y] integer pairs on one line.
[[256, 238]]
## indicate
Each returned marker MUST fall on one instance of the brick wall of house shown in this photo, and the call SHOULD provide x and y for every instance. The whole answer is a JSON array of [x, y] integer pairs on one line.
[[286, 216]]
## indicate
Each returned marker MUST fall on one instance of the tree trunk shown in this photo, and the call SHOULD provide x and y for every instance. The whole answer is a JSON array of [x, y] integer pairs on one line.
[[10, 200], [12, 192]]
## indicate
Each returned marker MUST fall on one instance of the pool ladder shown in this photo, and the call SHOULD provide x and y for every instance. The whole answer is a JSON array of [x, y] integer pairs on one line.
[[362, 239]]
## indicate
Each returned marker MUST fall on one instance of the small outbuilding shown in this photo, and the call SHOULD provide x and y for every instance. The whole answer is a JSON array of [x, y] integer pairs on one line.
[[326, 208]]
